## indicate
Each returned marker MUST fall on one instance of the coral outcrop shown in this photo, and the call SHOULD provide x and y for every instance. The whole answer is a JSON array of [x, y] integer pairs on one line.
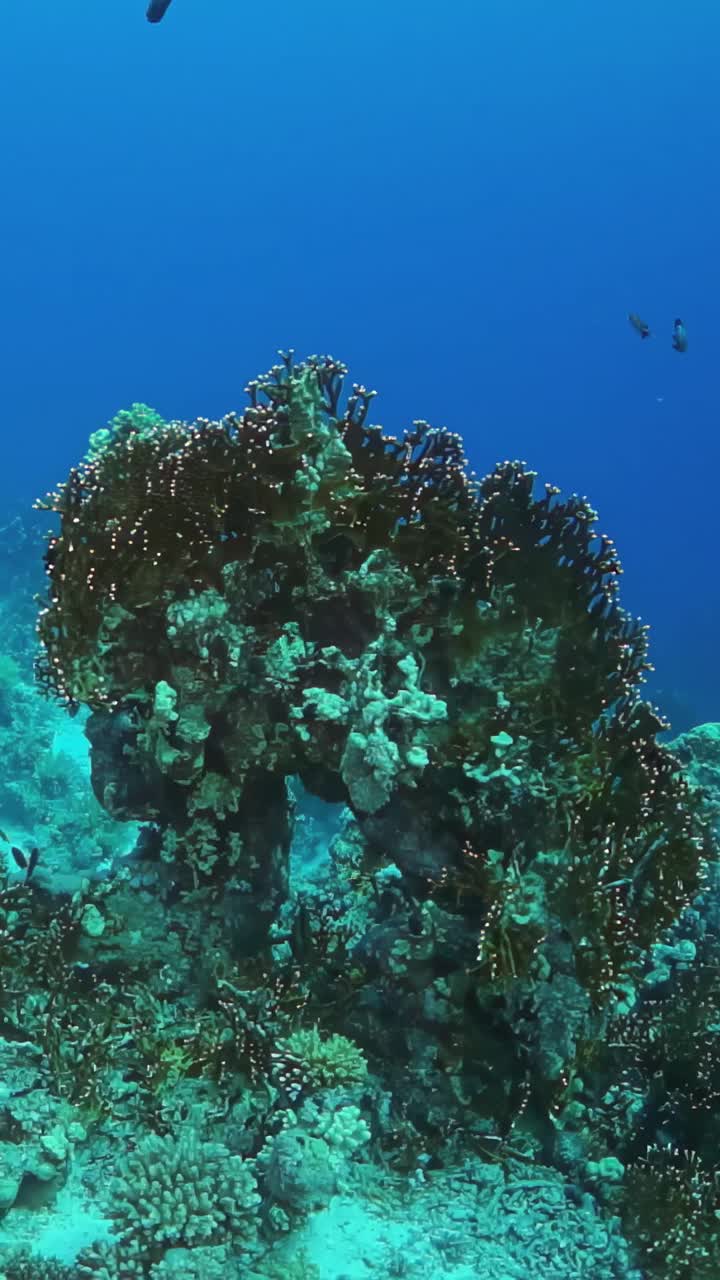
[[291, 600], [293, 592]]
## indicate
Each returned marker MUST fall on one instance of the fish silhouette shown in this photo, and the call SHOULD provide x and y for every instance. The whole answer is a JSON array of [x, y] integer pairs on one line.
[[157, 10], [639, 325], [679, 336]]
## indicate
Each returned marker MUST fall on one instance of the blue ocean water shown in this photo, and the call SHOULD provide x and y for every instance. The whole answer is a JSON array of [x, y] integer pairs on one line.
[[461, 201]]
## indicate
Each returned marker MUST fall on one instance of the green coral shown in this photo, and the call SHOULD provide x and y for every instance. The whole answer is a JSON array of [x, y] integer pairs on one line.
[[321, 1062], [138, 420]]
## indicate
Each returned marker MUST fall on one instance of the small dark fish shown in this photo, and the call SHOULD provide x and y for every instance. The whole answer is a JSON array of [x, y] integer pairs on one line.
[[639, 325], [157, 10], [679, 336], [26, 864]]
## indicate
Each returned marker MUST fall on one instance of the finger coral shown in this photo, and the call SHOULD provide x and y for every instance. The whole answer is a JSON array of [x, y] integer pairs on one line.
[[174, 1193]]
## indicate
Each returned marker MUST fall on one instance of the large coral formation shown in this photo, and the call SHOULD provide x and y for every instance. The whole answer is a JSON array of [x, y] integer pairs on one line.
[[293, 594]]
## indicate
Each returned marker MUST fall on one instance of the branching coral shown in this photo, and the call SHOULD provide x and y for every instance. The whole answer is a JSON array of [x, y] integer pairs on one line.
[[175, 1192]]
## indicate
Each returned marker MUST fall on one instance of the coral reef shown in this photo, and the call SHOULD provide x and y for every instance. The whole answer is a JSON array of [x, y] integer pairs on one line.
[[294, 592], [510, 950]]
